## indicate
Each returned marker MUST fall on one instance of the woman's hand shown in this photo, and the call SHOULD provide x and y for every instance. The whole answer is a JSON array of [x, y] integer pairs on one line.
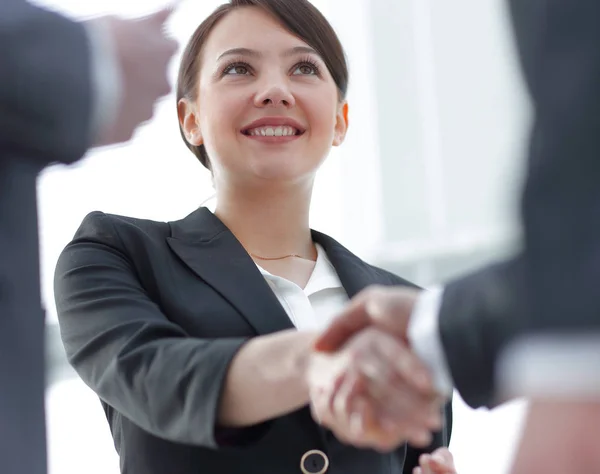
[[438, 462], [374, 392]]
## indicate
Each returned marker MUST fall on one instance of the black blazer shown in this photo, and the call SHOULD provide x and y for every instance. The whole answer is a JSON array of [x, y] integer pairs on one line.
[[151, 315]]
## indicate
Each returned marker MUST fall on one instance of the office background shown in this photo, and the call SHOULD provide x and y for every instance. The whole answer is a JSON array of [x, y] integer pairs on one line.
[[431, 164]]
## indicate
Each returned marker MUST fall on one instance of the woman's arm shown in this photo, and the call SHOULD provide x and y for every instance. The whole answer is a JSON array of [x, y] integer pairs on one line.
[[266, 379], [149, 369]]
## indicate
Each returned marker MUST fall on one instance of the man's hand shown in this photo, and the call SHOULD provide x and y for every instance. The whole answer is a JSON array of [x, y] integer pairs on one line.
[[387, 308], [559, 437], [438, 462], [143, 52], [374, 393]]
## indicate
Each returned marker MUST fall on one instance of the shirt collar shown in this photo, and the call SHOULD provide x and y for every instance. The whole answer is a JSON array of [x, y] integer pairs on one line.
[[323, 277]]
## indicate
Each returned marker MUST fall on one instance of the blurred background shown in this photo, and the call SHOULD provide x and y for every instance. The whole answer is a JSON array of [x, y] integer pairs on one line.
[[431, 164]]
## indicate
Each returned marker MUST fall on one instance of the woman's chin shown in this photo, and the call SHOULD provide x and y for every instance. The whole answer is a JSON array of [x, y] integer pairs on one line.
[[280, 174], [278, 169]]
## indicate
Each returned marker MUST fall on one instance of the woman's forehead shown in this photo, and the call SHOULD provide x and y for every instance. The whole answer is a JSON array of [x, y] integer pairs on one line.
[[250, 29]]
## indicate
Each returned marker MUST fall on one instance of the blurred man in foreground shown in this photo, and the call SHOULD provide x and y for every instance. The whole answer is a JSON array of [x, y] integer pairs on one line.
[[64, 87], [529, 326]]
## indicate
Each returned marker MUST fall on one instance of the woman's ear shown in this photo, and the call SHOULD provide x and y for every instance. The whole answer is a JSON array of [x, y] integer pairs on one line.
[[187, 121], [341, 124]]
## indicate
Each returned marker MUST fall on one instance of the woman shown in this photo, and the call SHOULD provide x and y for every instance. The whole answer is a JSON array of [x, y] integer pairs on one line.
[[196, 334]]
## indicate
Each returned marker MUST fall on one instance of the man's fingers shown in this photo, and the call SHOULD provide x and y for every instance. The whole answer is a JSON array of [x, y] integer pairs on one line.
[[443, 455], [398, 402], [437, 467], [342, 328], [405, 364], [161, 16], [353, 319], [388, 308], [441, 462]]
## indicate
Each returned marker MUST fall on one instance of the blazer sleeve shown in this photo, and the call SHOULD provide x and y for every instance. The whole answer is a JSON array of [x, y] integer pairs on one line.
[[551, 288], [45, 84], [559, 50], [479, 315], [126, 349], [440, 439]]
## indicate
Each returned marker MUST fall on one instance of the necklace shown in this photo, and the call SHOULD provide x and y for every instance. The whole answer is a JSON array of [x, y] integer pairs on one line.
[[276, 258]]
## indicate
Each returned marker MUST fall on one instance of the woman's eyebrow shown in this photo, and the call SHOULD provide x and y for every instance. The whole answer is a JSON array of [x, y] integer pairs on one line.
[[239, 52], [257, 54], [300, 49]]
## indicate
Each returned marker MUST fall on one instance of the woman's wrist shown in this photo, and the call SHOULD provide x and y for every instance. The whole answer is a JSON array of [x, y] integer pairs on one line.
[[301, 357]]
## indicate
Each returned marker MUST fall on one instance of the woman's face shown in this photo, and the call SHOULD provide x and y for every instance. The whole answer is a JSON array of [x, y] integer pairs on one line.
[[267, 107]]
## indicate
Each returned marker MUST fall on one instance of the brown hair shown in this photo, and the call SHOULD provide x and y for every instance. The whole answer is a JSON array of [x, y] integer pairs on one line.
[[299, 17]]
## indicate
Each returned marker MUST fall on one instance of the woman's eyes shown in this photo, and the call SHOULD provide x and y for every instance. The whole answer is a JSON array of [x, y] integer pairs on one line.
[[243, 69], [237, 69], [307, 69]]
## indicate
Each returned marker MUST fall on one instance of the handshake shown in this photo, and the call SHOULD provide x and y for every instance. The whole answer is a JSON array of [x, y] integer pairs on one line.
[[368, 387]]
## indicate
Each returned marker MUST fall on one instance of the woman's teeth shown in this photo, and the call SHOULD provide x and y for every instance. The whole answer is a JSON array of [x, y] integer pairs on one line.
[[273, 131]]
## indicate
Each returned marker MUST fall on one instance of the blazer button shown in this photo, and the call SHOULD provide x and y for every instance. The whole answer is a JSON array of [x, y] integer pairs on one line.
[[314, 462]]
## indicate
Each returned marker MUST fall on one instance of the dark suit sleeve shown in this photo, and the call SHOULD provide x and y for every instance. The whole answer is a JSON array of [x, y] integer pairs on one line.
[[125, 348], [440, 439], [552, 287], [45, 84], [479, 314], [560, 52]]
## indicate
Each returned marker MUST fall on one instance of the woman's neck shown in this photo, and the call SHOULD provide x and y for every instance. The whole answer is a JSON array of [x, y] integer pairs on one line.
[[269, 221]]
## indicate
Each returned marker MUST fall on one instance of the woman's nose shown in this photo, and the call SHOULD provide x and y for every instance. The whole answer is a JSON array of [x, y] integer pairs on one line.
[[275, 95]]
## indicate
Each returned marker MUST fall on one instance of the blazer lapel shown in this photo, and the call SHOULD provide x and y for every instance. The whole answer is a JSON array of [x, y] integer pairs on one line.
[[213, 253], [354, 273]]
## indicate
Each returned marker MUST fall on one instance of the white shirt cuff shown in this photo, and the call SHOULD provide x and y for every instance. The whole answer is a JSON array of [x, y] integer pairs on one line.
[[106, 78], [426, 342], [555, 367]]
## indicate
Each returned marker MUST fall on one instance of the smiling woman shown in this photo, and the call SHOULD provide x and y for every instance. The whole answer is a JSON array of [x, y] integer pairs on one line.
[[197, 334], [313, 57]]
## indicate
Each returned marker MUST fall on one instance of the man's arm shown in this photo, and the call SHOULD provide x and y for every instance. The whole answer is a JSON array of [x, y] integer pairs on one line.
[[559, 44], [67, 86], [550, 290], [479, 314], [45, 83], [543, 306]]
